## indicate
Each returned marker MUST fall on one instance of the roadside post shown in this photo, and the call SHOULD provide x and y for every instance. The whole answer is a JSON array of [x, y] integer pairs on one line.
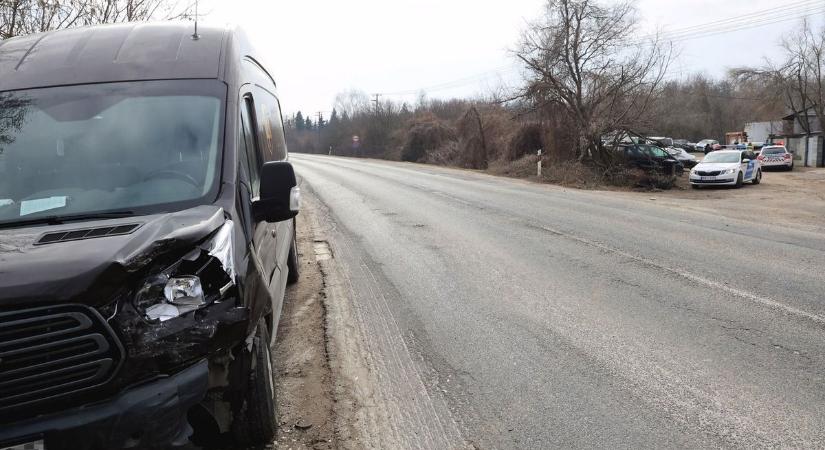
[[538, 164]]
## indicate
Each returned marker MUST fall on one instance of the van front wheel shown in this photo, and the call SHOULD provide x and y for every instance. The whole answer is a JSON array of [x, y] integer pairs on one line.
[[293, 273], [256, 422]]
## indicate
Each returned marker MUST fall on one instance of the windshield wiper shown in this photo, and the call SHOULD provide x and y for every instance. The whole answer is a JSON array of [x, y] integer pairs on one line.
[[59, 220]]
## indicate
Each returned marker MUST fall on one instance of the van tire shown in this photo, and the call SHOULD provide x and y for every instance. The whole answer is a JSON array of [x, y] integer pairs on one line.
[[293, 272], [740, 180], [256, 423]]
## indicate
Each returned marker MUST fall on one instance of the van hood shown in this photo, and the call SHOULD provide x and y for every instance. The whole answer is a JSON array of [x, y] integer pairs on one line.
[[92, 270]]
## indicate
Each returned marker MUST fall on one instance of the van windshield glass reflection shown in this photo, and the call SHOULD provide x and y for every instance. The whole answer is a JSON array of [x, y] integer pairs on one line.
[[142, 146]]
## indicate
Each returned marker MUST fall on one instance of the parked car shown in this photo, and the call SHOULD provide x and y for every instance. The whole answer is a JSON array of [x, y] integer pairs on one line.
[[713, 148], [727, 168], [661, 142], [776, 156], [650, 159], [705, 145], [684, 145], [147, 226], [682, 156]]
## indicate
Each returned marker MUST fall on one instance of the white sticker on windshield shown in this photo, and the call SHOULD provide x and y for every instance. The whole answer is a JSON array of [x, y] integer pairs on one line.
[[6, 201], [41, 204]]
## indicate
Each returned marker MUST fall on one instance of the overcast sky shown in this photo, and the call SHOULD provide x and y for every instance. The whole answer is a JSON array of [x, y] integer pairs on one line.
[[451, 48]]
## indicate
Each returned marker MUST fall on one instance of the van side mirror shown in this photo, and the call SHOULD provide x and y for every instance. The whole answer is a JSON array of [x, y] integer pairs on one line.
[[745, 161], [280, 195]]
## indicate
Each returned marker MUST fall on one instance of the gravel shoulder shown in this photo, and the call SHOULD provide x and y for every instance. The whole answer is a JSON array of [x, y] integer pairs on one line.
[[304, 384]]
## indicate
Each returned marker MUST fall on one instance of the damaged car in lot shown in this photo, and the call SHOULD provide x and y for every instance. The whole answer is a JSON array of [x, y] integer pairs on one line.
[[650, 159], [147, 234], [682, 156]]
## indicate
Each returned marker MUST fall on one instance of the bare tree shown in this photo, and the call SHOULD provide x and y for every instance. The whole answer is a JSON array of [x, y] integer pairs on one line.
[[586, 59], [803, 74], [19, 17], [799, 76], [351, 102]]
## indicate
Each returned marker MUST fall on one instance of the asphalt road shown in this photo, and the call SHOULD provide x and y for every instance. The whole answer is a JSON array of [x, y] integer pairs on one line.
[[503, 314]]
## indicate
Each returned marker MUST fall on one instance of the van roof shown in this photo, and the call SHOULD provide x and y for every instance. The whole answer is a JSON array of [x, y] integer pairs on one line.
[[108, 53]]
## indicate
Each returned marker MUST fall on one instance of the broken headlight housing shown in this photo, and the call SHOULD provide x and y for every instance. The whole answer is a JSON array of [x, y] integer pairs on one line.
[[200, 278]]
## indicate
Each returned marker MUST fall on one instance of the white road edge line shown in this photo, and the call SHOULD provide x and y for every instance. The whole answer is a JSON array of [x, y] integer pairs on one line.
[[773, 304]]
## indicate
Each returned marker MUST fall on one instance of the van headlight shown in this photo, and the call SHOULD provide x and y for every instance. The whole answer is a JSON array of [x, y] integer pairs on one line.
[[180, 295], [200, 278], [728, 171]]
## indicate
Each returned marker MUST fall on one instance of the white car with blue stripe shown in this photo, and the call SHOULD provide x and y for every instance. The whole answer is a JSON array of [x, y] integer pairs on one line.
[[727, 168]]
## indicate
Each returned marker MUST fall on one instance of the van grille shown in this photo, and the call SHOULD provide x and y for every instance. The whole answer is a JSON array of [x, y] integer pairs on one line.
[[48, 354], [708, 173]]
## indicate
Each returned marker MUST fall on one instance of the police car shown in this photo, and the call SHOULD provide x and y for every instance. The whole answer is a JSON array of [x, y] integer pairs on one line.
[[727, 168], [776, 156]]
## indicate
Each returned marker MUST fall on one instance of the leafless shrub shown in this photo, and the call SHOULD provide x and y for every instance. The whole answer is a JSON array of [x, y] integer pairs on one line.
[[426, 133], [447, 154], [527, 140], [472, 140]]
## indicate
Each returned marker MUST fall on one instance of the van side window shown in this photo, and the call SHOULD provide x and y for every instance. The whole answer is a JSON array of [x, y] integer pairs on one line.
[[270, 126], [250, 160]]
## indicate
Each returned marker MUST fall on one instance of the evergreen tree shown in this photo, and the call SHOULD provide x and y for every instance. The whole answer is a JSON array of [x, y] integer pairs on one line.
[[299, 121], [333, 118], [308, 123], [321, 123]]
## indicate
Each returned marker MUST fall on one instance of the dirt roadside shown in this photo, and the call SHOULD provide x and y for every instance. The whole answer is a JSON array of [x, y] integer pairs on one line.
[[786, 199], [304, 384], [325, 386]]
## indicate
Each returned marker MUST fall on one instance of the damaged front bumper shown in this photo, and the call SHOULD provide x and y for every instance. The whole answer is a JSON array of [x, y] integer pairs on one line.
[[152, 415]]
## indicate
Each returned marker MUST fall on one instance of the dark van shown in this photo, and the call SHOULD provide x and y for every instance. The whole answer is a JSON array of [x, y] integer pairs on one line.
[[147, 234]]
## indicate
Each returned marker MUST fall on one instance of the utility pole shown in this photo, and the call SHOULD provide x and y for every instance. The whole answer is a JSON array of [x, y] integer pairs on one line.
[[318, 126], [375, 100]]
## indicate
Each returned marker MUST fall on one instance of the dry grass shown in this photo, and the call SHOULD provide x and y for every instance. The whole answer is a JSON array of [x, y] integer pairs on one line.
[[572, 173]]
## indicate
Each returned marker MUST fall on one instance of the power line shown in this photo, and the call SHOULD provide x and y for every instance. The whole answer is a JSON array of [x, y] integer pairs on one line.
[[742, 28], [792, 7], [458, 82], [770, 16], [742, 25]]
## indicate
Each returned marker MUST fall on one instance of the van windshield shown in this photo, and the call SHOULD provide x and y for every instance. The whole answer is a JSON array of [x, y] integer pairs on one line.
[[145, 147]]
